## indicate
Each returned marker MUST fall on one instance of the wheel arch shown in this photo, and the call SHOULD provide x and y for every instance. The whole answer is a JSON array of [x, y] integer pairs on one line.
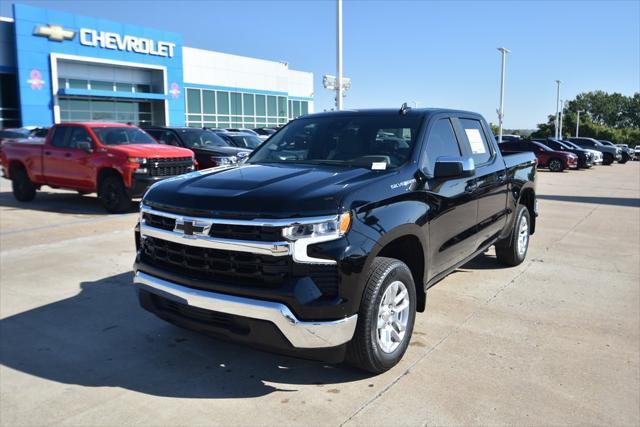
[[528, 199]]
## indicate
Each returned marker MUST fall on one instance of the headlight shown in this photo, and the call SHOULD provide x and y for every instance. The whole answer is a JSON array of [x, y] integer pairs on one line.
[[221, 161], [140, 160], [326, 230]]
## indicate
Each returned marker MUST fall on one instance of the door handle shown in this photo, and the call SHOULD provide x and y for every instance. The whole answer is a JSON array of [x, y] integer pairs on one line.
[[471, 187], [47, 153], [67, 154]]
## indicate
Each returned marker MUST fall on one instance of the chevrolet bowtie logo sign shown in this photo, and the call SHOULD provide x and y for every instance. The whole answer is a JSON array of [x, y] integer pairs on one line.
[[54, 32]]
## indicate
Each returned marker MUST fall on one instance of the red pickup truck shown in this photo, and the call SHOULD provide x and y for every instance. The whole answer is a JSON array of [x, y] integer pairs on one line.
[[117, 161]]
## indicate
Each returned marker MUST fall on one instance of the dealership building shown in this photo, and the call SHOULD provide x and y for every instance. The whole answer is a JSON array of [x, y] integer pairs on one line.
[[58, 67]]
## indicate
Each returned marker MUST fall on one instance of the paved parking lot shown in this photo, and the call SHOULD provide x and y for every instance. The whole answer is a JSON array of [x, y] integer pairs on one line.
[[554, 341]]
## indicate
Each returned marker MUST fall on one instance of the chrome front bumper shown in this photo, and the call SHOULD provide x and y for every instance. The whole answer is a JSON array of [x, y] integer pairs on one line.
[[299, 333]]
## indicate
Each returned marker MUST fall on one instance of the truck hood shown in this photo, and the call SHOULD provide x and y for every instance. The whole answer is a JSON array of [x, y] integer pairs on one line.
[[149, 150], [266, 191]]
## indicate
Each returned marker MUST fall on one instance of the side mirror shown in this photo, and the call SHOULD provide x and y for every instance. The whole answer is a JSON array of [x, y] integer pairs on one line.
[[447, 167], [85, 146]]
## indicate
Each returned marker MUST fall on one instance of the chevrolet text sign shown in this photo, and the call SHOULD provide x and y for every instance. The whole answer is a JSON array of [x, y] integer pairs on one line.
[[107, 40]]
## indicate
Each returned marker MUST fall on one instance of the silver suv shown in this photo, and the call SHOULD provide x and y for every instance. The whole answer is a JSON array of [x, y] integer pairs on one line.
[[609, 153]]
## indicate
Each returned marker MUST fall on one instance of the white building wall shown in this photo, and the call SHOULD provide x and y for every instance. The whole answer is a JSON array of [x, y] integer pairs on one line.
[[205, 67]]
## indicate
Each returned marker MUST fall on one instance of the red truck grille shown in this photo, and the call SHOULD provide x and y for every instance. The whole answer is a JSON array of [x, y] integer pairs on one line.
[[170, 166]]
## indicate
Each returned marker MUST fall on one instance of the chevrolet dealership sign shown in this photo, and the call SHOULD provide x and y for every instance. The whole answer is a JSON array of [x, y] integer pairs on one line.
[[107, 40]]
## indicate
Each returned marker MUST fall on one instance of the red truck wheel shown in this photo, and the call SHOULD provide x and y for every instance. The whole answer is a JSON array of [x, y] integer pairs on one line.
[[23, 188], [113, 195]]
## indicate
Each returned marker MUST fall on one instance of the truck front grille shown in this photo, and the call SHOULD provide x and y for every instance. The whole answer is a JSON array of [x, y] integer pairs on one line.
[[170, 166], [216, 265], [223, 231]]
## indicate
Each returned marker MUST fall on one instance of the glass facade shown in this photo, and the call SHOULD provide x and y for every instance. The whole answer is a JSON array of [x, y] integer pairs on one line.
[[224, 109], [9, 110], [111, 86], [100, 109]]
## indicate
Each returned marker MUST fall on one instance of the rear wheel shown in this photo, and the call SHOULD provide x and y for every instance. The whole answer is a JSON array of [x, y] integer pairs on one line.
[[23, 189], [624, 159], [607, 159], [114, 195], [513, 250], [386, 317], [555, 165]]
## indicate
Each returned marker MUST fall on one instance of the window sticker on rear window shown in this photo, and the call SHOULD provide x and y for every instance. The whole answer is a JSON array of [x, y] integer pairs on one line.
[[475, 140]]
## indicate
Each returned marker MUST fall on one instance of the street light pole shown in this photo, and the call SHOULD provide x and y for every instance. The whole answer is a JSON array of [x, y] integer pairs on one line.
[[504, 52], [557, 107], [561, 118], [339, 58], [578, 123]]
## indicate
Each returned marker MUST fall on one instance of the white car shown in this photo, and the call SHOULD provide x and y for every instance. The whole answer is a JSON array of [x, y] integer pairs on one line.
[[637, 152], [597, 155]]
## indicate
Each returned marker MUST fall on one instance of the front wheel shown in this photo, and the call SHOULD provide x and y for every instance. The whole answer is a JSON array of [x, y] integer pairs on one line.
[[624, 159], [114, 195], [555, 165], [607, 159], [386, 317], [513, 249]]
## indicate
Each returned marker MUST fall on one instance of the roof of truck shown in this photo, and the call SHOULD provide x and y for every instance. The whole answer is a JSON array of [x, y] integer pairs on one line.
[[97, 124], [408, 111]]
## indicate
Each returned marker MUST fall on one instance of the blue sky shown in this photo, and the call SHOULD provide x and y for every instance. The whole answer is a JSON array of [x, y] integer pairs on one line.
[[437, 53]]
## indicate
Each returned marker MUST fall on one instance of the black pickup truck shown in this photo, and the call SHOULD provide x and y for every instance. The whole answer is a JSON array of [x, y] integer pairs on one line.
[[324, 242]]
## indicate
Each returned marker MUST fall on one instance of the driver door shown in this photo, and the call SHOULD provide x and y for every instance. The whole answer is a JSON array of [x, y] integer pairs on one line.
[[65, 164]]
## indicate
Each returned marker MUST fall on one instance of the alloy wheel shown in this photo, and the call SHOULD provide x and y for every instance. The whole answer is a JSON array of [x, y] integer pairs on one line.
[[393, 316]]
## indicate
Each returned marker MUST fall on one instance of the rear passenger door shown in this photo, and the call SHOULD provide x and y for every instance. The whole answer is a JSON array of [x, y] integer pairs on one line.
[[453, 216], [490, 180]]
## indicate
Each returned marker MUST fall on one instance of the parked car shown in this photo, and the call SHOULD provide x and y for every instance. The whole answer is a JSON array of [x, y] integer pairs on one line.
[[597, 155], [636, 152], [585, 158], [265, 131], [241, 139], [323, 243], [117, 161], [250, 132], [556, 161], [623, 154], [510, 138], [609, 154], [210, 148]]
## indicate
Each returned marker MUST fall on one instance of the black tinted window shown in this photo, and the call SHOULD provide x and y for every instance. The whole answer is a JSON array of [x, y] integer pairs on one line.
[[59, 136], [476, 140], [441, 142]]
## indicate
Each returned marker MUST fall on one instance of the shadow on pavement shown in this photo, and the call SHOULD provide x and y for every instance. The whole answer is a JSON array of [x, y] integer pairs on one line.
[[102, 338], [64, 203], [482, 262], [615, 201]]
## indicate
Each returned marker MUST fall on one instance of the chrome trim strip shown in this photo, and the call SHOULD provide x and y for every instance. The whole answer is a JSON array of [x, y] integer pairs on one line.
[[203, 241], [258, 222], [300, 334]]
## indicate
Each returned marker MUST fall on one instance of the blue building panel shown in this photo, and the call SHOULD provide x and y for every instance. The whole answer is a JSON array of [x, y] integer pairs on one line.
[[34, 58]]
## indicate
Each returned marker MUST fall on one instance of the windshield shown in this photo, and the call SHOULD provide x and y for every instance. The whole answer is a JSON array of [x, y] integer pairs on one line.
[[199, 138], [248, 141], [541, 145], [123, 136], [354, 140]]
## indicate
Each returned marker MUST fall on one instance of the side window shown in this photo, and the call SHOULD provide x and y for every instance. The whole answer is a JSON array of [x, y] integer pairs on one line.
[[441, 142], [76, 135], [477, 141], [171, 139], [59, 137]]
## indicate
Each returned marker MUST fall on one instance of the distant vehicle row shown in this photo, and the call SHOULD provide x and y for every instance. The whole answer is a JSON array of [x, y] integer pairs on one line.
[[570, 153]]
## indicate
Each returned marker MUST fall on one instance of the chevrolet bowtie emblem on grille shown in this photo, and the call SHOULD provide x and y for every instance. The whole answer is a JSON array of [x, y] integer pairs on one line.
[[191, 229], [54, 32]]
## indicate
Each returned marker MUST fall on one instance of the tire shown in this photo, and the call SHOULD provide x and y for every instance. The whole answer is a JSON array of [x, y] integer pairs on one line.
[[512, 250], [607, 159], [556, 165], [113, 195], [624, 159], [23, 188], [372, 349]]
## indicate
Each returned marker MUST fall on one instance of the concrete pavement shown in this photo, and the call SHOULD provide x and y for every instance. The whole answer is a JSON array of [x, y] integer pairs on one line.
[[553, 341]]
